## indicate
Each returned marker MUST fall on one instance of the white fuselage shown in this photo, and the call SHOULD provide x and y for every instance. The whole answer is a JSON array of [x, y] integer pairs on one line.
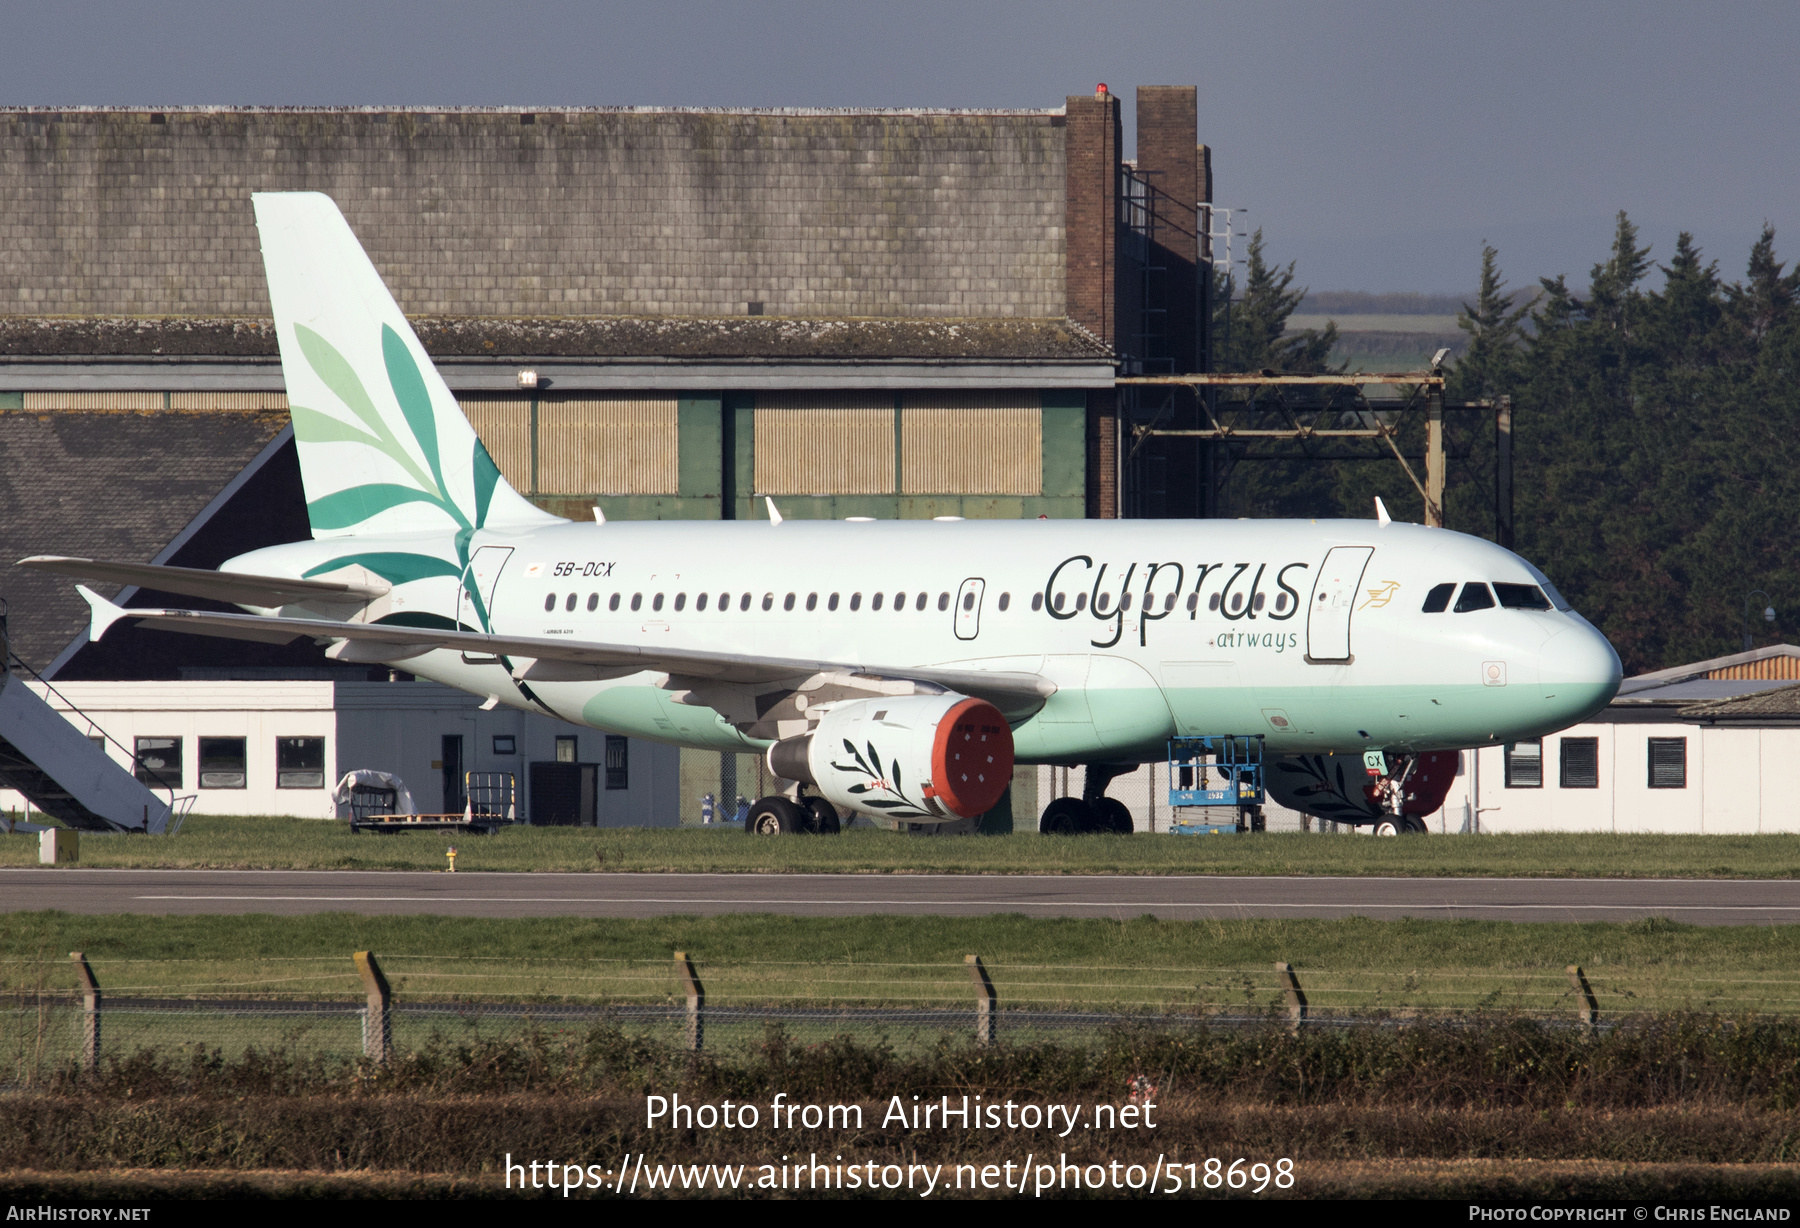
[[1310, 633]]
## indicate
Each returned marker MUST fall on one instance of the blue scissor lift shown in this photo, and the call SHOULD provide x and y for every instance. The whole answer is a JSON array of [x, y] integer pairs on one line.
[[1215, 771]]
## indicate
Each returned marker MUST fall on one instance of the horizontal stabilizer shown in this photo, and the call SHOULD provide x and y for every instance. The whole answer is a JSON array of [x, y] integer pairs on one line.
[[230, 587]]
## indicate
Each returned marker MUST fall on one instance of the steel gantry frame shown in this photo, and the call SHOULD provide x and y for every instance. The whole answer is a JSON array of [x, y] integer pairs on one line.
[[1425, 393]]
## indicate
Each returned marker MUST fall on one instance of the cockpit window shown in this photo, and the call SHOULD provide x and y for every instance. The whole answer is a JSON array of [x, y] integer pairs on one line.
[[1438, 599], [1474, 596], [1521, 596]]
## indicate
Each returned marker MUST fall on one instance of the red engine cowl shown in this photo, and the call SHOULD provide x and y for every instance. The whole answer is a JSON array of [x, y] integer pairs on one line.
[[906, 758]]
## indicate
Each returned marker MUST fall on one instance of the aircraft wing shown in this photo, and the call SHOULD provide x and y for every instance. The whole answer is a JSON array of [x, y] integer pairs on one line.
[[555, 659], [229, 587]]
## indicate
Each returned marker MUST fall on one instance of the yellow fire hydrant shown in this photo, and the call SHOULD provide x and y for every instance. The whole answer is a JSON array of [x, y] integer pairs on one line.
[[452, 856]]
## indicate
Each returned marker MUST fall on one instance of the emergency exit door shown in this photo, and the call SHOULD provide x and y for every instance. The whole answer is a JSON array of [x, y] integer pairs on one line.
[[968, 608], [475, 598], [1333, 601]]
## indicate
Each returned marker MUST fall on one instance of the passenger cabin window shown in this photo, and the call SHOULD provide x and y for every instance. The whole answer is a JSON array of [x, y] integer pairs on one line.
[[569, 602], [1193, 602], [920, 603], [612, 602], [656, 602], [1438, 599], [1580, 763], [1474, 596], [1037, 602], [1005, 600], [831, 603], [700, 601], [943, 601], [1281, 601], [1668, 763], [1521, 596], [812, 602], [768, 601], [788, 602], [637, 602], [856, 601], [680, 601], [875, 601], [593, 602], [743, 603], [549, 603], [1212, 602], [1525, 764], [1056, 603], [899, 602]]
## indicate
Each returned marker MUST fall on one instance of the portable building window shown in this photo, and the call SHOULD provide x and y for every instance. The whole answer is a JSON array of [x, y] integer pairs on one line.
[[299, 763], [158, 762], [618, 763], [1668, 763], [568, 750], [1581, 763], [1525, 764], [222, 763]]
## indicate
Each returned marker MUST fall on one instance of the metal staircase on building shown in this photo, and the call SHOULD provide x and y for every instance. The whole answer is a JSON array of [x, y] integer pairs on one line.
[[64, 772]]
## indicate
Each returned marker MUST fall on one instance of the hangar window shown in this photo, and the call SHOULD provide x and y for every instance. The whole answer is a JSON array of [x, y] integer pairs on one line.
[[612, 602], [1438, 599], [569, 602], [787, 602], [222, 763], [158, 762], [637, 602], [618, 763], [593, 602], [1668, 763], [656, 602], [1521, 596], [680, 601], [856, 601], [1525, 764], [832, 602], [506, 744], [1580, 763], [549, 603], [812, 602], [1474, 596], [299, 763]]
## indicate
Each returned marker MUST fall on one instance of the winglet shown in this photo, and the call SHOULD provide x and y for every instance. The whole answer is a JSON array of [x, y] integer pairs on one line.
[[774, 516], [1381, 513], [599, 516], [105, 612]]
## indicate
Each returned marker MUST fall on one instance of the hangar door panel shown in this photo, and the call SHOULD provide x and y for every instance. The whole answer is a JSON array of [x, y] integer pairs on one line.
[[1333, 600]]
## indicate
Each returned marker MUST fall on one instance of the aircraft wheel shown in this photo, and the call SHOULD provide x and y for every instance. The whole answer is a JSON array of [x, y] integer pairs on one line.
[[824, 817], [775, 816], [1111, 815], [1387, 827], [1066, 816], [1412, 824]]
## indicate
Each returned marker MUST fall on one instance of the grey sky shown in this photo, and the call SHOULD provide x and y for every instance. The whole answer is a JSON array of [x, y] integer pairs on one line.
[[1376, 144]]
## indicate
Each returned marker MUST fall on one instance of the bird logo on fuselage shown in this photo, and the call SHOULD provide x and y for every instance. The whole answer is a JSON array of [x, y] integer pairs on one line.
[[1379, 597]]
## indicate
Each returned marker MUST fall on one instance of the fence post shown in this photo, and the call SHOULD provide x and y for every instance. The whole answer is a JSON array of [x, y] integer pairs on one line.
[[1296, 997], [378, 1029], [696, 1000], [1587, 1006], [984, 1000], [90, 1007]]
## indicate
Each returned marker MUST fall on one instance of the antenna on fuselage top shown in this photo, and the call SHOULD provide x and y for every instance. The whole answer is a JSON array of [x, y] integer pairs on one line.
[[1381, 513]]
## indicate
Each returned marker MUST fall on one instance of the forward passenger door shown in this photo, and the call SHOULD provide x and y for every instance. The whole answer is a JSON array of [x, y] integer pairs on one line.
[[1333, 600]]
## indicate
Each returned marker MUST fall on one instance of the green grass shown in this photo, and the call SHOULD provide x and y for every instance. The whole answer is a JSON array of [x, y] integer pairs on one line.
[[303, 844], [1142, 965]]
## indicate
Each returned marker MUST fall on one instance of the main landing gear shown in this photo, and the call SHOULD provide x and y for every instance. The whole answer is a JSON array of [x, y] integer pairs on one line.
[[780, 816], [1093, 811]]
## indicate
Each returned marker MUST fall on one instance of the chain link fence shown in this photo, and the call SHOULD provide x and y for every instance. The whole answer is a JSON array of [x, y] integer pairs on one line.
[[329, 1008]]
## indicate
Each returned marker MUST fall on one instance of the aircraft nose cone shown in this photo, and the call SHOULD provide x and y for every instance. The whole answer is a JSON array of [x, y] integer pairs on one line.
[[1579, 672]]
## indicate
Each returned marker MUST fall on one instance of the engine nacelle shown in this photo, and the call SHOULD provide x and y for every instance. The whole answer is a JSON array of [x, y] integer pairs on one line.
[[1337, 787], [904, 758]]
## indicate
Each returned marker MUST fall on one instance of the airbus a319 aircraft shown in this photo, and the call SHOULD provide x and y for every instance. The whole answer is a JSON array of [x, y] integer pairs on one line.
[[896, 670]]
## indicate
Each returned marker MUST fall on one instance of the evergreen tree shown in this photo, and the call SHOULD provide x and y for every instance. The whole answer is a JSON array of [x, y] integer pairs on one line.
[[1255, 325]]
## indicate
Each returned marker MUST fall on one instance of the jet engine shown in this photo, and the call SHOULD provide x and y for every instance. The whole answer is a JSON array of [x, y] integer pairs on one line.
[[1337, 786], [905, 758]]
